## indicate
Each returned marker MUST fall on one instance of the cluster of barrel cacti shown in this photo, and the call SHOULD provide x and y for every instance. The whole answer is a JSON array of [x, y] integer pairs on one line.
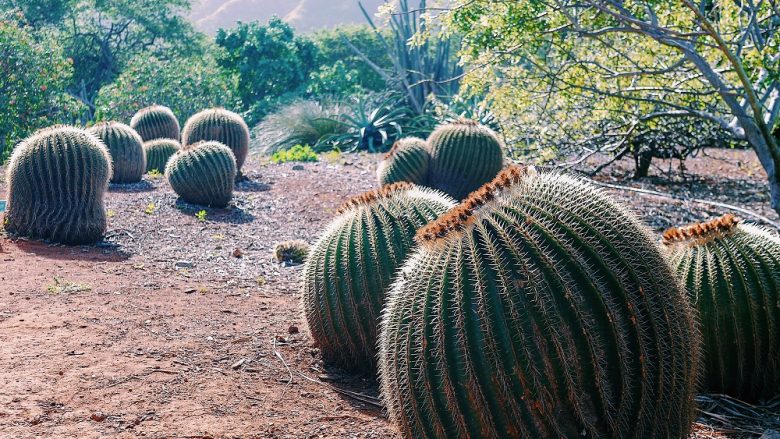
[[540, 307], [457, 159], [220, 125]]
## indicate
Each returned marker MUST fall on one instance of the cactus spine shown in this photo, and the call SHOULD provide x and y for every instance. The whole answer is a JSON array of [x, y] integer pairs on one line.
[[203, 174], [158, 152], [732, 274], [156, 122], [538, 308], [222, 126], [125, 146], [406, 161], [56, 182], [351, 265], [464, 156]]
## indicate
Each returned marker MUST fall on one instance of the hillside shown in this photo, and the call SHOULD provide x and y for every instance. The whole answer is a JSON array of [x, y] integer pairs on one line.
[[304, 15]]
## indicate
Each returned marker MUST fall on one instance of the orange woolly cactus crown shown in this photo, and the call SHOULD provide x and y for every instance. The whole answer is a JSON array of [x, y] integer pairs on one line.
[[369, 197], [699, 233], [459, 217]]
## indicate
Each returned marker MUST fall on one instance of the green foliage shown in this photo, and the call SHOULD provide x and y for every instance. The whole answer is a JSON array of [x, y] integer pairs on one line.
[[350, 267], [267, 61], [156, 122], [38, 13], [371, 125], [158, 152], [299, 123], [184, 85], [408, 161], [293, 252], [201, 215], [732, 274], [56, 182], [539, 308], [33, 78], [128, 159], [220, 125], [298, 153], [203, 174], [464, 156]]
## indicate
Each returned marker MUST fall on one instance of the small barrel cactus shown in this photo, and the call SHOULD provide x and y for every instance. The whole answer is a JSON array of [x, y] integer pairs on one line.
[[222, 126], [125, 146], [350, 267], [158, 152], [57, 179], [464, 156], [732, 274], [203, 174], [538, 308], [293, 251], [406, 161], [156, 122]]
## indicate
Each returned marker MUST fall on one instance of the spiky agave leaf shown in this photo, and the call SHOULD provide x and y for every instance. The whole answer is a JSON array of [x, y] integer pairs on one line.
[[538, 308], [731, 271]]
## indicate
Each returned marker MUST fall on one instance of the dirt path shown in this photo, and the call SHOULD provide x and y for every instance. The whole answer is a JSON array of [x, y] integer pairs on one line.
[[177, 327]]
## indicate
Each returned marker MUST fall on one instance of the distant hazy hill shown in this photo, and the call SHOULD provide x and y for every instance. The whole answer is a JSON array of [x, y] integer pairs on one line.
[[305, 15]]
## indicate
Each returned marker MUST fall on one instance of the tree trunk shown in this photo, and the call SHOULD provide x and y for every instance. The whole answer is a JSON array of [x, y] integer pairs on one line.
[[642, 160]]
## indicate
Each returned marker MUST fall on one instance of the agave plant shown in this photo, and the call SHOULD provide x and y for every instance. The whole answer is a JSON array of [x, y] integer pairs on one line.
[[370, 126], [299, 123]]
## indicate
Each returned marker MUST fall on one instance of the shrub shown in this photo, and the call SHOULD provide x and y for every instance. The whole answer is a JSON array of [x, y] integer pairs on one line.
[[352, 264], [299, 123], [220, 125], [406, 161], [56, 182], [156, 122], [297, 153], [128, 159], [203, 174], [538, 308], [732, 273]]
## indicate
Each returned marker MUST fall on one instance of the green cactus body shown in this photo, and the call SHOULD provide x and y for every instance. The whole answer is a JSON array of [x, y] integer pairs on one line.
[[221, 125], [464, 156], [538, 308], [125, 146], [406, 161], [203, 174], [57, 179], [158, 152], [732, 274], [156, 122], [349, 269]]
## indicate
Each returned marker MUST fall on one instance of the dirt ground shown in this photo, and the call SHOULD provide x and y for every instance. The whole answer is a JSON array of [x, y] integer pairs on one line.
[[177, 327]]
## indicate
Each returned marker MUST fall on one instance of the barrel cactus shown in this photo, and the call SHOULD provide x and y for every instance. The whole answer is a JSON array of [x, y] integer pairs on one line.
[[538, 308], [156, 122], [222, 126], [349, 268], [464, 156], [57, 179], [125, 146], [158, 152], [732, 273], [203, 174], [406, 161]]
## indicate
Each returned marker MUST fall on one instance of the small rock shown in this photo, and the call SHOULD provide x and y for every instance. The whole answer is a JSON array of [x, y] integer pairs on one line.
[[292, 329], [184, 264], [98, 417], [237, 253], [297, 168]]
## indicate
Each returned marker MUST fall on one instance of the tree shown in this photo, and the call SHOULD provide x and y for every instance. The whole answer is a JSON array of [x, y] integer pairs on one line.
[[185, 85], [267, 61], [33, 77], [598, 69]]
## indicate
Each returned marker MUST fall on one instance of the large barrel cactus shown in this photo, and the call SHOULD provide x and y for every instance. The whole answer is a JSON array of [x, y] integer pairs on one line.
[[203, 174], [222, 126], [406, 161], [538, 308], [732, 274], [464, 156], [56, 182], [125, 146], [156, 122], [349, 269], [158, 152]]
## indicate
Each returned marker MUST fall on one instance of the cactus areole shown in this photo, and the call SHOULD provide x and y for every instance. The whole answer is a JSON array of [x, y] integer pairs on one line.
[[731, 271], [350, 267], [538, 308]]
